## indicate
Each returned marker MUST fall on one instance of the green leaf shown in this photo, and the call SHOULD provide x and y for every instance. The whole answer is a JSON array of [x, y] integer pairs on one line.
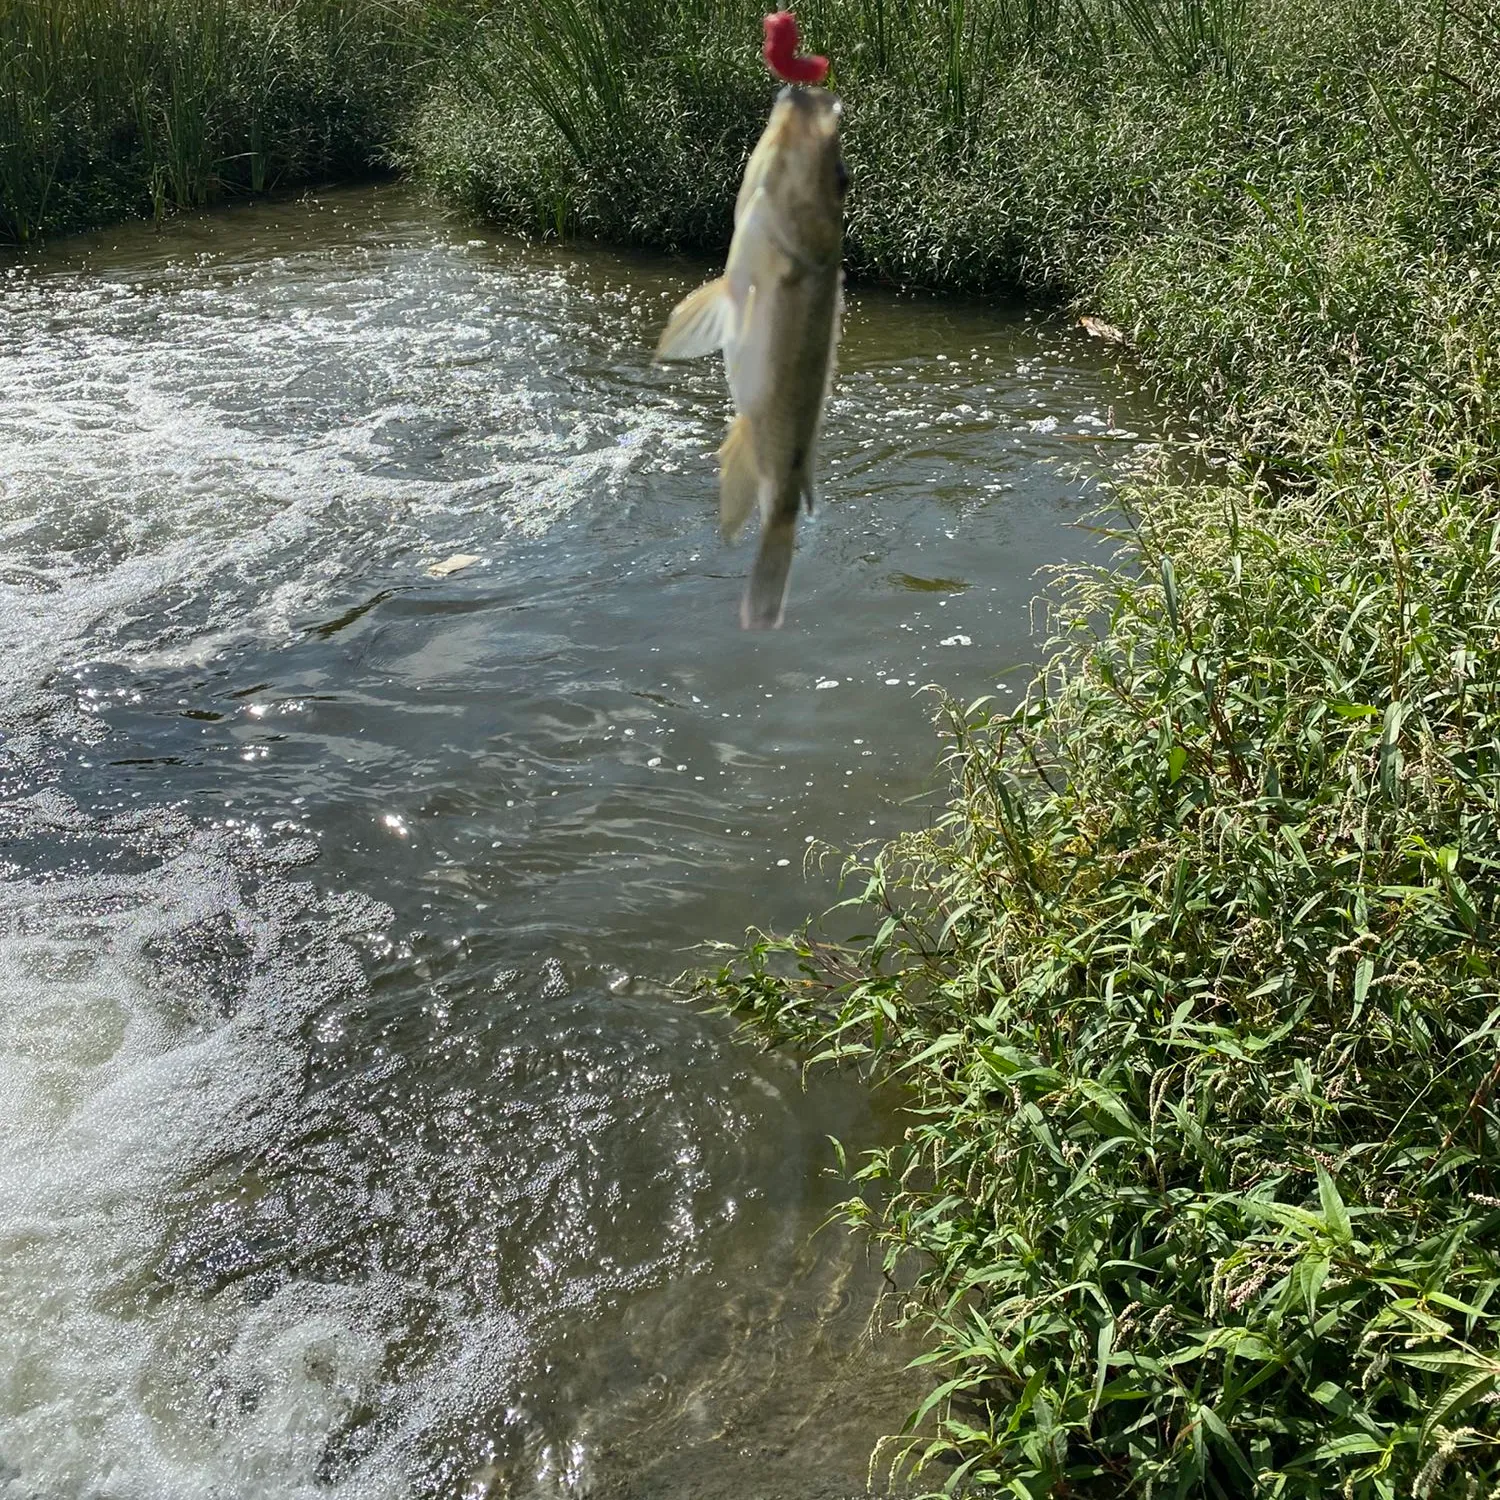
[[1454, 1305], [1311, 1274], [1392, 762], [1364, 972], [1334, 1397], [1461, 1393], [1307, 1225], [940, 1393], [1028, 1395], [1215, 1424], [957, 915], [838, 1151], [1109, 1104], [1348, 1446], [1446, 1359], [943, 1045], [1169, 588], [1334, 1213], [1106, 1344]]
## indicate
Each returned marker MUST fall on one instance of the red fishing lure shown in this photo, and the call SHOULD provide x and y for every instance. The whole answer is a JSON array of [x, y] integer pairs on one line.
[[780, 52]]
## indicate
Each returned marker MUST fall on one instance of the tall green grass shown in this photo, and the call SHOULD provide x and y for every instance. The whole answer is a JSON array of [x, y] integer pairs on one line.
[[114, 107], [1195, 985], [579, 78]]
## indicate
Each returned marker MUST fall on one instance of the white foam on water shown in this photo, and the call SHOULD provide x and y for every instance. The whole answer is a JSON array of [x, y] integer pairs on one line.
[[121, 1094], [191, 463], [147, 519]]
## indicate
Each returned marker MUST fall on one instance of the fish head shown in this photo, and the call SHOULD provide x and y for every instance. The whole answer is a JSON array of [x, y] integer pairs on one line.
[[805, 175]]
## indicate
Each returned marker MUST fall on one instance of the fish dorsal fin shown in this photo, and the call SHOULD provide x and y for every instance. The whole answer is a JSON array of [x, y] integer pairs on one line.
[[739, 478], [699, 324]]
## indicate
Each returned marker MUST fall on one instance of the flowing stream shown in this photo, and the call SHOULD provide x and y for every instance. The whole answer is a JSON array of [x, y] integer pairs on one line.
[[353, 1141]]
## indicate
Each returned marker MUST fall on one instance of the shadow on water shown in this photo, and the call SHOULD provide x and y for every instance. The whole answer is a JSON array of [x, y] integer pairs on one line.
[[354, 1143]]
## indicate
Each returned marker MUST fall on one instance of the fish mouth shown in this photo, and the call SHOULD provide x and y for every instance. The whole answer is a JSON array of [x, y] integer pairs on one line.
[[806, 112], [810, 96]]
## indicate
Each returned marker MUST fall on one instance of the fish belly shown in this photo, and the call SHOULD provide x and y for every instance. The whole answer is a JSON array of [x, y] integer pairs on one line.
[[783, 380]]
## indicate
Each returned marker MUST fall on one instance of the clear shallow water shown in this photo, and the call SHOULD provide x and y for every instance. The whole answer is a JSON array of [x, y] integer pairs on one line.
[[351, 1141]]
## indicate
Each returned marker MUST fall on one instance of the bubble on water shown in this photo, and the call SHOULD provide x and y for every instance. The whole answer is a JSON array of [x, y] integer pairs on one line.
[[554, 981]]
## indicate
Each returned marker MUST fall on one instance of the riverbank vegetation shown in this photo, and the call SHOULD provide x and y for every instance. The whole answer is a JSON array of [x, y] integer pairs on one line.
[[113, 109], [1195, 983]]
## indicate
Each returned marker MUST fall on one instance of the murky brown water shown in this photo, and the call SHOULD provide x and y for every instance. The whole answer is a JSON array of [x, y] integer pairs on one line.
[[351, 1141]]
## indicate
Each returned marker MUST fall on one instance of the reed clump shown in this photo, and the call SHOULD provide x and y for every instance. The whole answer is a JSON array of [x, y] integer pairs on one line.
[[115, 108], [1194, 987]]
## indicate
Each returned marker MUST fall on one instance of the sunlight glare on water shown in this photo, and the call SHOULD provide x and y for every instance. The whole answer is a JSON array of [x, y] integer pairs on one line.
[[352, 1139]]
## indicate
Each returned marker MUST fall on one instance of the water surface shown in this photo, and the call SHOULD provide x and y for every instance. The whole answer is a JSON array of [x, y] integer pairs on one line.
[[352, 1141]]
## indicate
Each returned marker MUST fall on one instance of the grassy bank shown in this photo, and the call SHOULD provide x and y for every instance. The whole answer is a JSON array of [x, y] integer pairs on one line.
[[111, 109], [1195, 982]]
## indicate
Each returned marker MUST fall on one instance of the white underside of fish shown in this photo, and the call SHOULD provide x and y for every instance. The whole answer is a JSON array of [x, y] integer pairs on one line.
[[775, 315]]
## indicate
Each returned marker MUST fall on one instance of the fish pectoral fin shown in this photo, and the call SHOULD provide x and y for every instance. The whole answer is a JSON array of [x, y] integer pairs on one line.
[[700, 323], [739, 478]]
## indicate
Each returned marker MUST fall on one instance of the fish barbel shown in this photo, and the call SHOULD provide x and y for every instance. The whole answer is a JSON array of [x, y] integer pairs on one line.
[[775, 314]]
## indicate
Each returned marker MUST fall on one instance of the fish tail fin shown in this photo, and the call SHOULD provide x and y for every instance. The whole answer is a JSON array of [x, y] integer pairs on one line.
[[699, 323], [765, 594], [739, 478]]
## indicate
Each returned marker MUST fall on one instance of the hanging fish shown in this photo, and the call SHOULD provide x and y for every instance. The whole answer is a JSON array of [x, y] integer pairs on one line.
[[775, 314]]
